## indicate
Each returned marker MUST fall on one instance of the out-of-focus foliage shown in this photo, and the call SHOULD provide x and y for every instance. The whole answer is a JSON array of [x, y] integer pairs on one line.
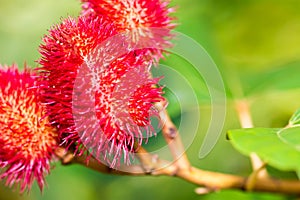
[[231, 194], [255, 45]]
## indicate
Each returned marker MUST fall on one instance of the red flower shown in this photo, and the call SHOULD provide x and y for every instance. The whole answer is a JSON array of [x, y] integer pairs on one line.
[[87, 67], [27, 143], [148, 22]]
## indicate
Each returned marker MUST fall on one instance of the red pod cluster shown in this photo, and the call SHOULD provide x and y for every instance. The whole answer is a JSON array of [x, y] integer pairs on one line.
[[93, 92]]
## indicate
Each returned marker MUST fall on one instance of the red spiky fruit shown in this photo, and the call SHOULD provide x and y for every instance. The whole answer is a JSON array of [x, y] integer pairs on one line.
[[27, 143], [85, 61], [63, 51], [147, 22]]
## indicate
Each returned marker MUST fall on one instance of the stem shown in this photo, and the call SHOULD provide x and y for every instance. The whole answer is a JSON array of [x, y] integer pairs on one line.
[[243, 111], [172, 138], [67, 158], [213, 181]]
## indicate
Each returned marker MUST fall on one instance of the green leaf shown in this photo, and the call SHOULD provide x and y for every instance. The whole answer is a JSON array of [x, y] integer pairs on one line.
[[234, 194], [295, 119], [291, 136], [268, 144]]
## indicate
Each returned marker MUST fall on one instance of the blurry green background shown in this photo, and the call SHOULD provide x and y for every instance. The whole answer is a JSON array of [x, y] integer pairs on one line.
[[256, 45]]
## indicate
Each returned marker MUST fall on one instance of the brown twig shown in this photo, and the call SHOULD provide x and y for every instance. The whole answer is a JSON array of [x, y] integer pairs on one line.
[[211, 180], [172, 138], [180, 167], [243, 111], [67, 158]]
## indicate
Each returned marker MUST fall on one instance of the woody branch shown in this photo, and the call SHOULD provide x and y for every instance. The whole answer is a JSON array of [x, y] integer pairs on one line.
[[180, 167]]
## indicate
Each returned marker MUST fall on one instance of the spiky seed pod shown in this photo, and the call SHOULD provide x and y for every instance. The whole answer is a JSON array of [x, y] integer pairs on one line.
[[94, 43], [124, 98], [27, 142], [63, 51], [149, 23]]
